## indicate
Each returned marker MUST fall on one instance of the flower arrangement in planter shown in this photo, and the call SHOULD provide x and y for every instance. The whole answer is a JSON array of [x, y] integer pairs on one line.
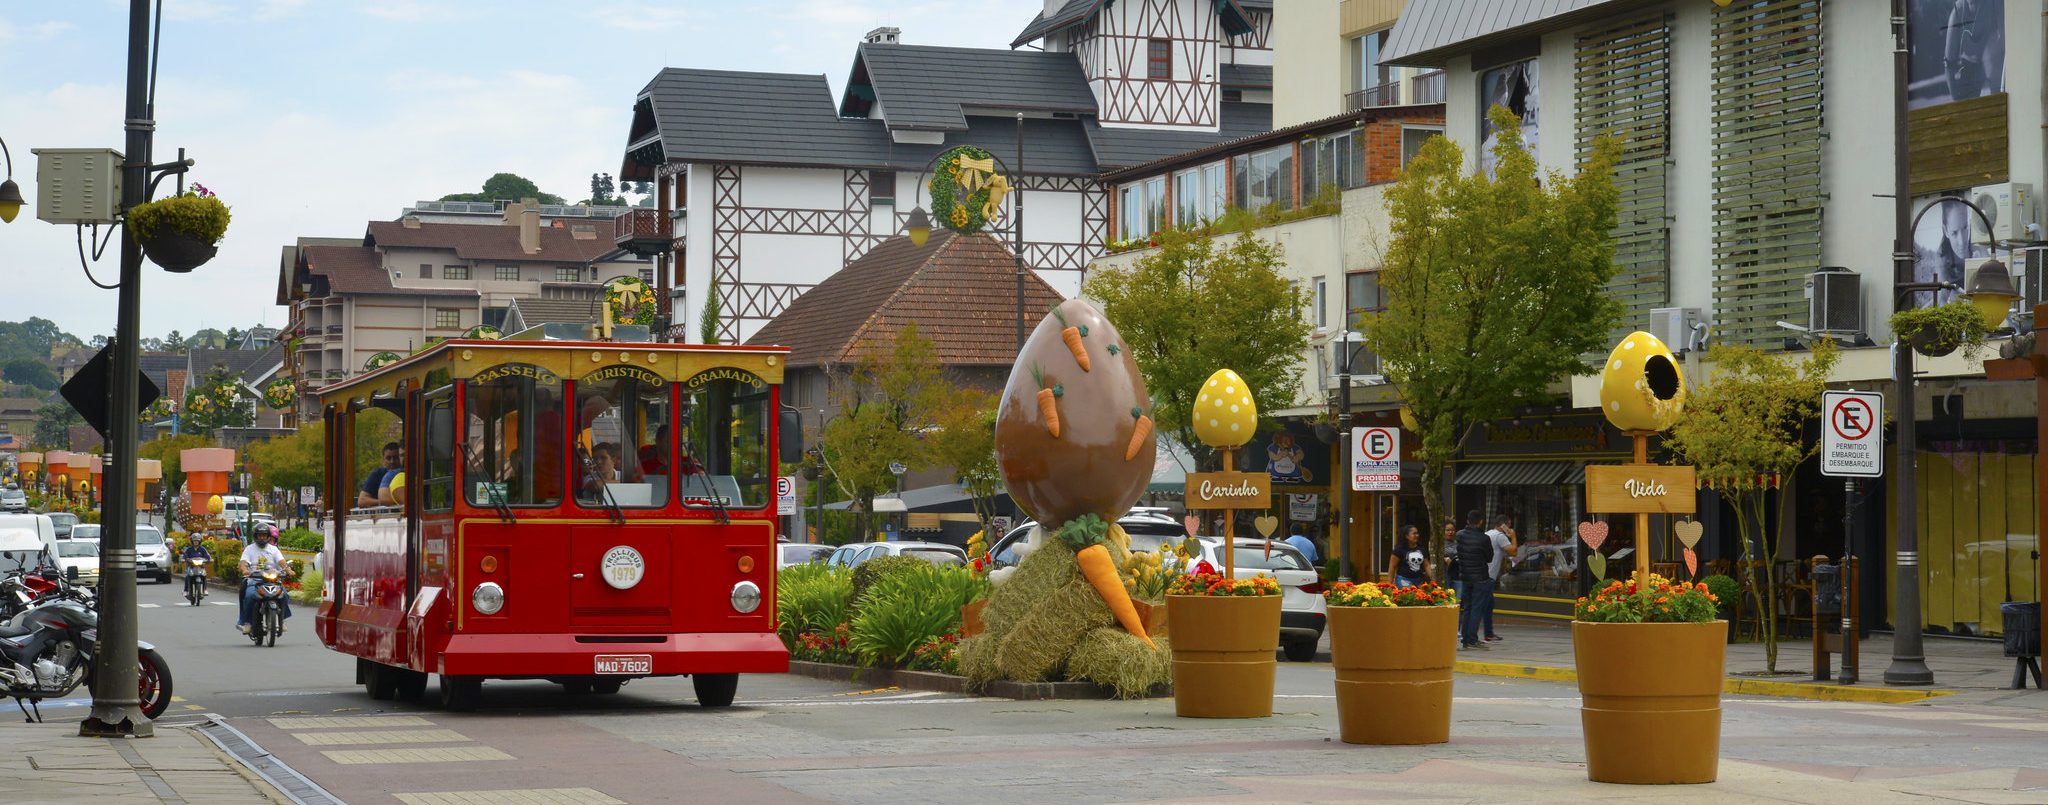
[[1393, 649], [1203, 580], [1941, 329], [1650, 661], [182, 232], [1223, 662]]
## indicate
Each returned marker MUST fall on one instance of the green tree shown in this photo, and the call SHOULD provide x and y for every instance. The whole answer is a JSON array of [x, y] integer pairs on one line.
[[963, 437], [707, 327], [885, 406], [175, 342], [30, 372], [53, 425], [1196, 306], [1496, 289], [32, 339], [1744, 423], [601, 188], [506, 187], [289, 462]]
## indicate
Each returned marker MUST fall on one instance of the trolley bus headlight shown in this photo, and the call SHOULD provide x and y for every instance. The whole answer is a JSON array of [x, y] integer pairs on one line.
[[746, 597], [488, 598]]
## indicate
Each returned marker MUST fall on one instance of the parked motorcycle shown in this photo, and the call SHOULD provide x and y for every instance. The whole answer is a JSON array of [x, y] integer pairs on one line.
[[266, 615], [195, 580], [46, 652]]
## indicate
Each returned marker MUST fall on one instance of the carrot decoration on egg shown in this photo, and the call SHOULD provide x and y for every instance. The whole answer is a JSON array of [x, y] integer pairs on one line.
[[1048, 402], [1073, 335], [1138, 434]]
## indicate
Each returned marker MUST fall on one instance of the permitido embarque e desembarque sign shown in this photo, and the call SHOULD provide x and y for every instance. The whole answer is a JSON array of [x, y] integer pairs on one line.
[[1851, 441]]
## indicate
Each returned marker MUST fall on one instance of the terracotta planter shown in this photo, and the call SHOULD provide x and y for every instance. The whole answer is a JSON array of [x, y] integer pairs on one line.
[[970, 618], [178, 252], [1223, 655], [1394, 673], [1651, 700]]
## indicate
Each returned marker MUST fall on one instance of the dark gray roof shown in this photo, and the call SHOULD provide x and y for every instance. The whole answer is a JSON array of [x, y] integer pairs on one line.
[[243, 363], [730, 116], [1235, 21], [1429, 32], [1122, 148], [1246, 76], [927, 87], [266, 361], [535, 311]]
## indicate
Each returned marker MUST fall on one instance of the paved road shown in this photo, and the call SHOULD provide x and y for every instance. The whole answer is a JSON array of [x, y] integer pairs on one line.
[[795, 740]]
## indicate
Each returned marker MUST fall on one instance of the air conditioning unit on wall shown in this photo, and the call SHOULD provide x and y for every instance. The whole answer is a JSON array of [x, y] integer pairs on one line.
[[1675, 326], [1834, 301], [2010, 206]]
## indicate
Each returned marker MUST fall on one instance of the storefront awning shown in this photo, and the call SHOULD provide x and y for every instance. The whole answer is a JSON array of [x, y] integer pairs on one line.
[[1513, 473]]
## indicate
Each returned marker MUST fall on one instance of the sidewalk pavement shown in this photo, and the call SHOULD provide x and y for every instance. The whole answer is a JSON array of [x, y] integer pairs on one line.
[[48, 763], [1540, 649]]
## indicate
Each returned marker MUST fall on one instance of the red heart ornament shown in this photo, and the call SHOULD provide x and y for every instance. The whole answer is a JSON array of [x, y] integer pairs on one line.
[[1194, 524], [1593, 534], [1692, 563]]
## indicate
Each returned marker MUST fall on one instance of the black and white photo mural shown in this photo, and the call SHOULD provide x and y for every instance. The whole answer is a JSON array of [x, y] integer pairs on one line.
[[1958, 51], [1512, 86], [1948, 244]]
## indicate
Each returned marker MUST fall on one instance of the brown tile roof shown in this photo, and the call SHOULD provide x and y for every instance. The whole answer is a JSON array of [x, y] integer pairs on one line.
[[960, 290], [19, 406], [359, 270], [491, 242]]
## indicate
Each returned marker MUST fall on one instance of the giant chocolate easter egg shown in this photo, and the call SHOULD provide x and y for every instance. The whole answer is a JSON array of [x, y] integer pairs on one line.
[[1641, 387], [1074, 429], [1224, 415]]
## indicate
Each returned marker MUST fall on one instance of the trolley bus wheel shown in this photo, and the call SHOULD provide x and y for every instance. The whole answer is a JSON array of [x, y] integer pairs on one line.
[[412, 685], [460, 694], [381, 681], [715, 690]]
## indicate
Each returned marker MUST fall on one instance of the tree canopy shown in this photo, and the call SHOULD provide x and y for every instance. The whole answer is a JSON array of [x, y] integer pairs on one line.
[[53, 425], [894, 408], [30, 372], [1196, 306], [1495, 288], [289, 462], [506, 187], [32, 339]]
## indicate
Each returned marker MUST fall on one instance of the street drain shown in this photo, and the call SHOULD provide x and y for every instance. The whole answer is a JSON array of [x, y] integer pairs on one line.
[[286, 779]]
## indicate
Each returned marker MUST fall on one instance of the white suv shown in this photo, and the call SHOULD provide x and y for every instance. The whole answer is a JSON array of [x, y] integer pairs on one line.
[[1148, 529]]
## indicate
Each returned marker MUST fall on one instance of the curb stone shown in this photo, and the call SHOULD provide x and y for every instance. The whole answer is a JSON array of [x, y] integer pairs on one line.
[[949, 683]]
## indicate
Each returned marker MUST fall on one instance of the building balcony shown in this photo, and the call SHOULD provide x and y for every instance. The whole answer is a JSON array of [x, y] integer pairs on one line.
[[1426, 88], [1388, 94], [644, 232]]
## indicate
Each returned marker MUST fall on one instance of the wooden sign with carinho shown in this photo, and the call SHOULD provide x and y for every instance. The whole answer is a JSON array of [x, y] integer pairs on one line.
[[1230, 490]]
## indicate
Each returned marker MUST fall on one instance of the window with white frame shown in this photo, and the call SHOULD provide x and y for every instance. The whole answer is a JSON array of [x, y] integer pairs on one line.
[[507, 273], [1199, 195], [1264, 178], [568, 274], [455, 272], [447, 319], [1332, 161], [1141, 208], [1322, 306]]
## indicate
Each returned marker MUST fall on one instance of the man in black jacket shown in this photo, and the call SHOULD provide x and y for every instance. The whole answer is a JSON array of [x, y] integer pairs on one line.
[[1475, 552]]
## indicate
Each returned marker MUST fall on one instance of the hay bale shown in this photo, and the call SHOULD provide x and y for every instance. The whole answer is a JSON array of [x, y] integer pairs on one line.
[[1111, 656], [1046, 570], [977, 657], [1037, 646]]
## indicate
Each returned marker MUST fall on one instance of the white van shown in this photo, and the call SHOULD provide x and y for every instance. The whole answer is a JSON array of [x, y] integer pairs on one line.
[[39, 524], [234, 508]]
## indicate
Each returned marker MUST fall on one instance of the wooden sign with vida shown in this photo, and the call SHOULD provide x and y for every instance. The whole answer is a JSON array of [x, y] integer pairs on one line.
[[1640, 489], [1229, 490]]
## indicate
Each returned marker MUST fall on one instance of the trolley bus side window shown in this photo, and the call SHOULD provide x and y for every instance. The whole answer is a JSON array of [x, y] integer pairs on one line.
[[513, 438], [725, 450], [370, 428], [437, 487]]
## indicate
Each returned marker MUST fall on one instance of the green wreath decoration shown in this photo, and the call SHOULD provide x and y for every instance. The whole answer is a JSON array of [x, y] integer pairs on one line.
[[641, 311], [484, 331], [947, 209], [158, 411], [210, 399], [379, 361], [279, 393]]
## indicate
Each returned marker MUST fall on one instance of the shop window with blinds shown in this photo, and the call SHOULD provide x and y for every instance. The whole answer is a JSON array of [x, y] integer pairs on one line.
[[1199, 195], [1264, 178], [1331, 163]]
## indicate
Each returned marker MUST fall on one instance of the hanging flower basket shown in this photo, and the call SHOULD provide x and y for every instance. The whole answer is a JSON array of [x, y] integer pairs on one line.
[[182, 232], [1942, 329]]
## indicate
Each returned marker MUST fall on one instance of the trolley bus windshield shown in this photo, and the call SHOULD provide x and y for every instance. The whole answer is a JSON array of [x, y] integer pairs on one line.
[[725, 461], [514, 437]]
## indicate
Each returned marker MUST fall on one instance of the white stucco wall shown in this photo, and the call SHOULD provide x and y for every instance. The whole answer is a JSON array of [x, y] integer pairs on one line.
[[697, 250], [1052, 217], [792, 188], [1309, 74]]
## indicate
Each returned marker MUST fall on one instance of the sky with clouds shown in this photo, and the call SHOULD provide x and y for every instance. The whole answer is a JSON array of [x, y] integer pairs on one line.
[[312, 117]]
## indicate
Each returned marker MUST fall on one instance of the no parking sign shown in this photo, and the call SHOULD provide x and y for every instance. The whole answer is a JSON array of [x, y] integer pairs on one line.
[[1851, 441]]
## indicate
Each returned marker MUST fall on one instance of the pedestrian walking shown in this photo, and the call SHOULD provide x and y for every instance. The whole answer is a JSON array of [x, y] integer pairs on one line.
[[1502, 539], [1410, 565], [1475, 552]]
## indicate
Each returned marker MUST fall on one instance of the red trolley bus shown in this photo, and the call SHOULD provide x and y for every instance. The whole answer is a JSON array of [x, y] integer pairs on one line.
[[580, 512]]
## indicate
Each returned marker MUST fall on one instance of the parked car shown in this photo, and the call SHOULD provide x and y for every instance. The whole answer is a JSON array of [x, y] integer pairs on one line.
[[89, 532], [1148, 529], [1303, 614], [152, 554], [937, 553], [800, 553], [63, 521], [80, 556], [12, 499]]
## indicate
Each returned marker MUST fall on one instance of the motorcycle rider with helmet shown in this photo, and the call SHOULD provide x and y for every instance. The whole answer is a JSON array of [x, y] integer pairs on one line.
[[193, 550], [261, 555]]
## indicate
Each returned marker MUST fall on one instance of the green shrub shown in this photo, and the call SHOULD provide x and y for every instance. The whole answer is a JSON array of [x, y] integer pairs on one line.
[[812, 598], [202, 217], [905, 609], [309, 588], [300, 539], [874, 569], [227, 558], [1723, 588]]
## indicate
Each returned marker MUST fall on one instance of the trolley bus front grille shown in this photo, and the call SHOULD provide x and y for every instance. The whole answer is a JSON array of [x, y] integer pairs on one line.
[[621, 612], [619, 638]]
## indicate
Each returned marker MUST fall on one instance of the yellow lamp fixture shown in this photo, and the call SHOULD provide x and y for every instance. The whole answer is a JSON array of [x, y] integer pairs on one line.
[[920, 226], [1641, 388], [1991, 292], [10, 193]]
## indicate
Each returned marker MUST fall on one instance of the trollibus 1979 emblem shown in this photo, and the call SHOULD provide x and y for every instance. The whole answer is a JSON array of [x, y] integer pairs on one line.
[[622, 567]]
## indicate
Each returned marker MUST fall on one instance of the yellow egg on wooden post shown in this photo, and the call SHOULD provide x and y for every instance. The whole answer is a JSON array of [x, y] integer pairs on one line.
[[1641, 386], [1224, 415]]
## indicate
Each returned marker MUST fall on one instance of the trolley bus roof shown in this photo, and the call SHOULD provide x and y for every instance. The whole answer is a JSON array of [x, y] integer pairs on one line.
[[464, 359]]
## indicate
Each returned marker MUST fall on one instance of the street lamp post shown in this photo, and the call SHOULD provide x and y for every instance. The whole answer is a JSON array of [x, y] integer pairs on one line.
[[1345, 342]]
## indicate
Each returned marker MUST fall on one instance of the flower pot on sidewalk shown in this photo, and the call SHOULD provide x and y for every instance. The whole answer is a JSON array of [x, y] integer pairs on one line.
[[1393, 672], [970, 618], [1223, 659], [1651, 696]]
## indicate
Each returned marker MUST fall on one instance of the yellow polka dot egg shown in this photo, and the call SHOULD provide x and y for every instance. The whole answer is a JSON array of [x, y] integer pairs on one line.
[[1641, 387], [1224, 414]]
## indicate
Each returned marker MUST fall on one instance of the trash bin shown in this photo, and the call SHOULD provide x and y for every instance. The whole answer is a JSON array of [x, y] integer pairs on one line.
[[1827, 589], [2022, 628]]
